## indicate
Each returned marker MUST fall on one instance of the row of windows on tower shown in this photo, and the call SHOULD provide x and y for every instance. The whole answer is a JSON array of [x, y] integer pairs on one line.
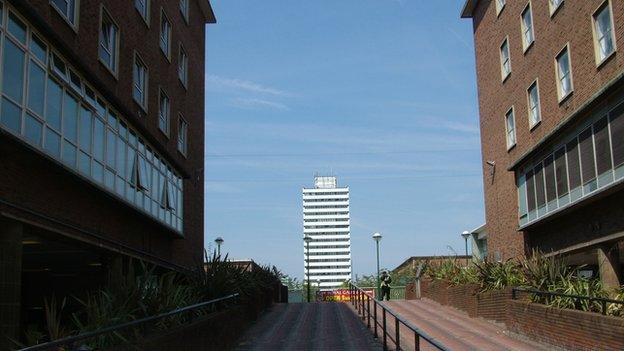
[[604, 47], [109, 39]]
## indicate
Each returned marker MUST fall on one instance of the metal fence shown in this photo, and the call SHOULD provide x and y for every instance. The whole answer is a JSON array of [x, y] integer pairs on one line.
[[396, 292], [574, 301], [126, 331], [363, 303]]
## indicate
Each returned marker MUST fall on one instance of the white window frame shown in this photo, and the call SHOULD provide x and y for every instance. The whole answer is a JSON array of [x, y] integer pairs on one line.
[[145, 89], [163, 19], [510, 143], [115, 54], [597, 51], [73, 22], [182, 65], [523, 29], [533, 124], [500, 5], [146, 16], [185, 10], [561, 96], [504, 75], [182, 135], [554, 7], [167, 116]]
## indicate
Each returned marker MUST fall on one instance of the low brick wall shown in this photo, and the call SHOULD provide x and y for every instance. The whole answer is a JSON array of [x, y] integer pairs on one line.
[[436, 290], [464, 297], [493, 305], [576, 330]]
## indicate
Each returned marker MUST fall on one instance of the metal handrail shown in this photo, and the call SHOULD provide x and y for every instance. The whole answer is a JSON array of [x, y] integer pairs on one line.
[[362, 302], [603, 301], [73, 339]]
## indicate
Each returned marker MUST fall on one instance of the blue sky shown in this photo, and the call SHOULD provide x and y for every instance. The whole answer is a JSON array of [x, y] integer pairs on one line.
[[380, 92]]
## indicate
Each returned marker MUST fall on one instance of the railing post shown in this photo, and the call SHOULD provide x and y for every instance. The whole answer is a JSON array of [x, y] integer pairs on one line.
[[375, 316], [513, 293], [397, 332], [360, 302], [604, 307], [385, 341], [368, 310], [416, 341]]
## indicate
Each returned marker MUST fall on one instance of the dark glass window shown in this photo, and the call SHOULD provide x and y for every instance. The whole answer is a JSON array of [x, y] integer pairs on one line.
[[617, 134], [549, 174], [36, 88], [603, 147], [574, 167], [13, 70], [561, 172], [588, 165], [539, 186], [53, 103]]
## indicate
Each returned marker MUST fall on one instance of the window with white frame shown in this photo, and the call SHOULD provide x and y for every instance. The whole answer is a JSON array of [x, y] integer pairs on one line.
[[184, 9], [182, 136], [527, 27], [109, 39], [143, 7], [510, 128], [67, 8], [163, 113], [564, 74], [535, 115], [500, 4], [165, 34], [505, 59], [604, 39], [140, 77], [554, 5], [183, 66]]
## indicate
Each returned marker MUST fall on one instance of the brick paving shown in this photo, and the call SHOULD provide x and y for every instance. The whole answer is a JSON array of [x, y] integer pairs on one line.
[[309, 326], [453, 328]]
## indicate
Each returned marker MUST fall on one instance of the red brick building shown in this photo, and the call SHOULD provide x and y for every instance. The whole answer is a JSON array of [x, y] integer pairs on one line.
[[101, 143], [550, 80]]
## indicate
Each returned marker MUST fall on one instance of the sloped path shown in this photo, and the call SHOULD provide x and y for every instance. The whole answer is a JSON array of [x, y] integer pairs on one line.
[[453, 328], [309, 326]]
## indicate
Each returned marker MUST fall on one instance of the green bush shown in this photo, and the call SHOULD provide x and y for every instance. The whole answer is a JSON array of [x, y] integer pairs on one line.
[[498, 275], [144, 291]]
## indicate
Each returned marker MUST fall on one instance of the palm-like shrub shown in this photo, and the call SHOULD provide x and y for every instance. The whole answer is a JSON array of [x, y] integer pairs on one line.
[[498, 275]]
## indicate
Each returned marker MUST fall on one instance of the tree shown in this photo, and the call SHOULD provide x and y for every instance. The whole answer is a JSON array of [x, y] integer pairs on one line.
[[291, 283]]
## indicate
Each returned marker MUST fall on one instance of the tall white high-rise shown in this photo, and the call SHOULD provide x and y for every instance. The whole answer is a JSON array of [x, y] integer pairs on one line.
[[326, 222]]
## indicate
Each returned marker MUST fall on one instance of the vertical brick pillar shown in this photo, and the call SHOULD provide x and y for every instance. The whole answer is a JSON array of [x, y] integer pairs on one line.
[[10, 281], [609, 265]]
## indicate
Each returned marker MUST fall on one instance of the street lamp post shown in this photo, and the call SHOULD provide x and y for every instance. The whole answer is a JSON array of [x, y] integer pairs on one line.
[[466, 235], [219, 240], [377, 238], [307, 240]]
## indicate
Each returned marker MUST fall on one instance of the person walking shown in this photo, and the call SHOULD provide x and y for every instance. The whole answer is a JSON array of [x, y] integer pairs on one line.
[[385, 285]]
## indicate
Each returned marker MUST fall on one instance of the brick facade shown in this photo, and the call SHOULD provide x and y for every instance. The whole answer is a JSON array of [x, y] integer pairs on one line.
[[63, 202], [571, 24]]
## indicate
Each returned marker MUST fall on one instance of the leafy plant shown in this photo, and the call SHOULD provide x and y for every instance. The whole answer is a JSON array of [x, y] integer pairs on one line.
[[53, 316], [498, 275]]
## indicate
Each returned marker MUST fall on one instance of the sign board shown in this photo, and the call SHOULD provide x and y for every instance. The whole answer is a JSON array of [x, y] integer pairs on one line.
[[340, 295]]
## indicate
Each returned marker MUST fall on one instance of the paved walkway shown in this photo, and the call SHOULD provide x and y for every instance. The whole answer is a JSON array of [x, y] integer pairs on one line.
[[452, 328], [309, 326]]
